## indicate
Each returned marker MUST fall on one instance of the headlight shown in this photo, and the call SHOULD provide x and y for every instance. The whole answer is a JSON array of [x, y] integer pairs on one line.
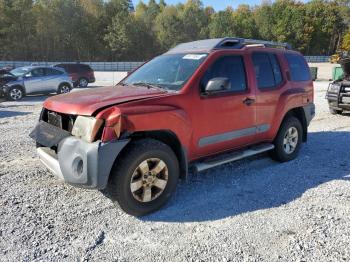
[[334, 88], [86, 128]]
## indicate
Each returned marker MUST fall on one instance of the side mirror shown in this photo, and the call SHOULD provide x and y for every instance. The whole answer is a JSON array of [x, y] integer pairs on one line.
[[218, 84], [27, 75]]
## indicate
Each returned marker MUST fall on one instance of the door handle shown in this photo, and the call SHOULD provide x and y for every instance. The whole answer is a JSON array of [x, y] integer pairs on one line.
[[248, 101]]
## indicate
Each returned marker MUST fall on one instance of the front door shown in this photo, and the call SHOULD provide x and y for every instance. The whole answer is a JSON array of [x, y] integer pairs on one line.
[[226, 119], [34, 81]]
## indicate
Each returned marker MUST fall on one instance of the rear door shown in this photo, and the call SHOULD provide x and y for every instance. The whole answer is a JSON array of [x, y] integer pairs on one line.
[[52, 79], [224, 120], [269, 81]]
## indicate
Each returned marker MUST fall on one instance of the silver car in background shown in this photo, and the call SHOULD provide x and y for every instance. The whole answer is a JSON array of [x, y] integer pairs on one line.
[[36, 80]]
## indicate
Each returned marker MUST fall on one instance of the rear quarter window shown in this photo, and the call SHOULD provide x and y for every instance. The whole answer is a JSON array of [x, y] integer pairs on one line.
[[298, 68], [52, 72], [86, 68]]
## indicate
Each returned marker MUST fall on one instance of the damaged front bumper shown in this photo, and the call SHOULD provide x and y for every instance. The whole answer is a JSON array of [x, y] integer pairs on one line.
[[75, 161]]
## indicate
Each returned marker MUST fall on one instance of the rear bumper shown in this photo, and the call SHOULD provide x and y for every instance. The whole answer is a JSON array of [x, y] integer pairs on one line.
[[82, 164]]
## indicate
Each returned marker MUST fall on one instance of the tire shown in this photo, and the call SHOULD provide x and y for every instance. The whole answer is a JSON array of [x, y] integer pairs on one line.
[[15, 93], [286, 135], [83, 82], [64, 89], [127, 172], [335, 111]]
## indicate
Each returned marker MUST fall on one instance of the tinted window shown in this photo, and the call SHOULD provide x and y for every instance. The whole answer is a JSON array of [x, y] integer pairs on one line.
[[85, 68], [231, 67], [299, 70], [276, 69], [267, 70], [38, 72], [69, 68], [52, 72]]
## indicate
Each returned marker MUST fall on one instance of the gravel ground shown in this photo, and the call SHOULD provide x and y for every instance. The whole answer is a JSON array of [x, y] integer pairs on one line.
[[251, 210]]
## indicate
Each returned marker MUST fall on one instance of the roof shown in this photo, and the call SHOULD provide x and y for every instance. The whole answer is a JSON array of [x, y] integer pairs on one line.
[[208, 45]]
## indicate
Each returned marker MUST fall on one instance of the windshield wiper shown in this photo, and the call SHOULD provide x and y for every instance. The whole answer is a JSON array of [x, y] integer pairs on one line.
[[148, 85]]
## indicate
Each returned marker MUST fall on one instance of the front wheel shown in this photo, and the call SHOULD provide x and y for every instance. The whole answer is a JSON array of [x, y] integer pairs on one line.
[[144, 177], [15, 93], [288, 140]]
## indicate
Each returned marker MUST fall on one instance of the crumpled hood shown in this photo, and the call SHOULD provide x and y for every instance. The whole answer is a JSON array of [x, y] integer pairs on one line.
[[86, 102], [4, 79]]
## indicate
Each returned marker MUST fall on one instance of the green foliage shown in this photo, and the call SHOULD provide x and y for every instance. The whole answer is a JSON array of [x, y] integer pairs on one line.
[[346, 42], [105, 30]]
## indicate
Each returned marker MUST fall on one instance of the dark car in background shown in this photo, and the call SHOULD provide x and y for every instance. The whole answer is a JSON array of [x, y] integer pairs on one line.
[[81, 74], [338, 93]]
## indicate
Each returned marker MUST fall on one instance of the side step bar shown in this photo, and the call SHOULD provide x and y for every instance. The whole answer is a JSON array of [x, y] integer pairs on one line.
[[237, 155]]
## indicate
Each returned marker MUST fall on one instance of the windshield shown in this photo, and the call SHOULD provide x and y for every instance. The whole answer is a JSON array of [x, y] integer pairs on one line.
[[19, 71], [167, 71]]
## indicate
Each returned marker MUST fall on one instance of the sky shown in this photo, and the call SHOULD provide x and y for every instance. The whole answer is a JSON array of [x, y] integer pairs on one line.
[[217, 4]]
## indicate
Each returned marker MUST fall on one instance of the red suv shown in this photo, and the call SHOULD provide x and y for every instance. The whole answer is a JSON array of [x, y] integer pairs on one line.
[[200, 105], [80, 74]]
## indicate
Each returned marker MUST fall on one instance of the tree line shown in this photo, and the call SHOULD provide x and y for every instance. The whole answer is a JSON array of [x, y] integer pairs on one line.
[[100, 30]]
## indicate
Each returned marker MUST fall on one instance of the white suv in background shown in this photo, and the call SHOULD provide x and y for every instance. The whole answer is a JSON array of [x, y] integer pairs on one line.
[[36, 80]]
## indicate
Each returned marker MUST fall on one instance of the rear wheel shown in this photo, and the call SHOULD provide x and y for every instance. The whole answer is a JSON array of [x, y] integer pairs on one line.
[[335, 111], [144, 177], [15, 93], [83, 82], [63, 89], [288, 140]]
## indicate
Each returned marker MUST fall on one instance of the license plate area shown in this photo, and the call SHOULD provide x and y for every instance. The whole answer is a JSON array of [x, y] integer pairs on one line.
[[54, 119], [48, 135]]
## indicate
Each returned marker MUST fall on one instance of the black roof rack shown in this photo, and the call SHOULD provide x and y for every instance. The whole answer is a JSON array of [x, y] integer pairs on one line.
[[224, 43]]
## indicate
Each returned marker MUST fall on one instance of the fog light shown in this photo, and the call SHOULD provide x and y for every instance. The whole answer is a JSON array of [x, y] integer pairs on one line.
[[78, 166]]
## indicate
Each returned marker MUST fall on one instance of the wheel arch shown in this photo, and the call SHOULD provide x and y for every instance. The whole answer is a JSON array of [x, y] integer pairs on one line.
[[299, 113], [20, 87], [169, 138], [64, 83]]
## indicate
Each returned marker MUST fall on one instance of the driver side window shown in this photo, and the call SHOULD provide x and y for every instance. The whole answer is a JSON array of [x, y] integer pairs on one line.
[[230, 67]]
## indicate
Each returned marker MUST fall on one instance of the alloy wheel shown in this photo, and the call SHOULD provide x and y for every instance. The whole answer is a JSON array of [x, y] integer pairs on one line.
[[149, 180], [65, 89], [290, 140], [16, 94], [83, 82]]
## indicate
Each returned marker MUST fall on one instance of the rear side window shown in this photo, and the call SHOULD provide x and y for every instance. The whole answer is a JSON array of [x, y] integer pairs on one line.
[[231, 67], [64, 66], [53, 72], [299, 70], [267, 70], [86, 68]]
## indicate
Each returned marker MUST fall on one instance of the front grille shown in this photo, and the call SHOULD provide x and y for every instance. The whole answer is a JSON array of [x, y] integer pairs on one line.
[[63, 121], [54, 119]]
